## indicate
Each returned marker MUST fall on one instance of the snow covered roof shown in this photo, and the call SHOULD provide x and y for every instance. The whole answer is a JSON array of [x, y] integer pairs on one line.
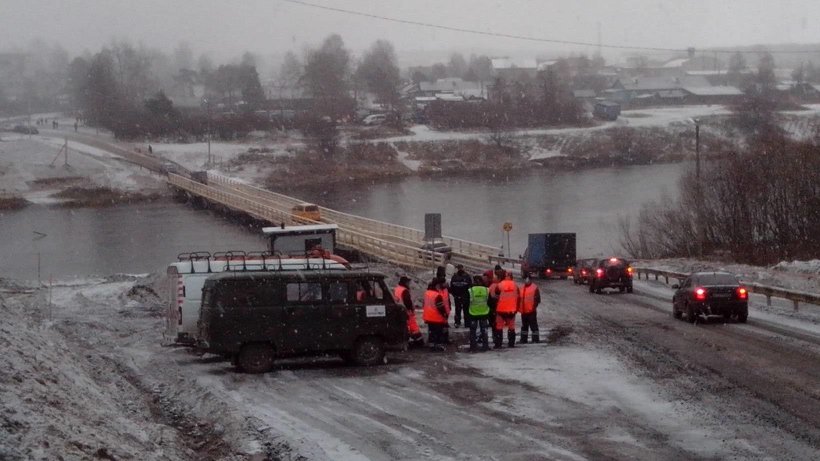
[[293, 230], [675, 63], [662, 83], [722, 90], [584, 93]]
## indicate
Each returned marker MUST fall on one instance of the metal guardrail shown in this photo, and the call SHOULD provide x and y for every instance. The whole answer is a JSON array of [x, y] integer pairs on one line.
[[405, 255], [794, 296], [365, 225]]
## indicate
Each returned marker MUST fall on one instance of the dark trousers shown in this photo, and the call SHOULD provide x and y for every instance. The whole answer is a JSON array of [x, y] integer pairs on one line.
[[530, 322], [435, 335], [480, 324], [462, 306]]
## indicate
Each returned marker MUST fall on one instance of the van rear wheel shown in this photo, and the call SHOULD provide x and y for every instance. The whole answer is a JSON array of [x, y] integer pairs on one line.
[[369, 351], [255, 358]]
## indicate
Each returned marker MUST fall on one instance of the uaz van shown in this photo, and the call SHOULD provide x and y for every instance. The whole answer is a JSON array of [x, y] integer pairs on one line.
[[306, 213], [255, 317], [187, 276]]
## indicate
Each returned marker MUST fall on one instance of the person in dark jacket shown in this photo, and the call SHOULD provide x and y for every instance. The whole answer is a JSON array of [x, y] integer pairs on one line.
[[460, 284]]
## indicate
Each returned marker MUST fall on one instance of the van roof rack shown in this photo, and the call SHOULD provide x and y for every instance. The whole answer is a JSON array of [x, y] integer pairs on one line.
[[239, 260]]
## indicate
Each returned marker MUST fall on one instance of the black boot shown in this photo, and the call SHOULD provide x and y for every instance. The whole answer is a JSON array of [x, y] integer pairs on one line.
[[524, 338], [535, 338], [511, 338], [497, 339]]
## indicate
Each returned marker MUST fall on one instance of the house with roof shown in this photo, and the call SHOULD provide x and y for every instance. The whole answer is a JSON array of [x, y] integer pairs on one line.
[[691, 89]]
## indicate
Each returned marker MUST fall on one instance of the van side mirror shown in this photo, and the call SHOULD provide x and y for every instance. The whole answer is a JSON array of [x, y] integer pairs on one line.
[[675, 286]]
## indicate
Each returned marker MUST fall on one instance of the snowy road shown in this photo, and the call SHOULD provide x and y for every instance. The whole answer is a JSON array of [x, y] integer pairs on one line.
[[618, 379]]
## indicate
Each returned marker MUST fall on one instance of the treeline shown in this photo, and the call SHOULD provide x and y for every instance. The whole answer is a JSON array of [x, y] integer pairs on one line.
[[759, 206], [118, 89]]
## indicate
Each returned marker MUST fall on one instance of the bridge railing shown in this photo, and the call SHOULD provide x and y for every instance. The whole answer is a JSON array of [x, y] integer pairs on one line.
[[405, 255], [367, 225], [796, 297]]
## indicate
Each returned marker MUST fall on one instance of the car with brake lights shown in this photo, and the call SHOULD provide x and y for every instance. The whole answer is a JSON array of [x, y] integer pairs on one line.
[[611, 273], [582, 272], [709, 294]]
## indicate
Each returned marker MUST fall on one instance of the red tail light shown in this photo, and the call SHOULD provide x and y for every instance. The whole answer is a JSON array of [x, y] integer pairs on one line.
[[548, 271], [569, 270], [599, 273], [742, 293], [583, 272], [700, 294], [629, 271]]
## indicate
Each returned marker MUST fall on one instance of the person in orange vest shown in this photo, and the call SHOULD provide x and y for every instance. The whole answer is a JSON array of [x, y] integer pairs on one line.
[[530, 299], [435, 315], [444, 289], [508, 305], [403, 298]]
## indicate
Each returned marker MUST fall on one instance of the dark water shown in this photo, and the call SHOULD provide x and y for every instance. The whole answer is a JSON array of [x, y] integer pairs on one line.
[[145, 238], [587, 202], [125, 239]]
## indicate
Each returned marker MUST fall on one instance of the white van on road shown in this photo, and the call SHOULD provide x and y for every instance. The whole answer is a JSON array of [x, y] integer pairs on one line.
[[187, 276]]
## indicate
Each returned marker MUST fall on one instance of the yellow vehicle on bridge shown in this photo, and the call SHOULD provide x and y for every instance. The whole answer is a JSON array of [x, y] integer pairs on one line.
[[305, 213]]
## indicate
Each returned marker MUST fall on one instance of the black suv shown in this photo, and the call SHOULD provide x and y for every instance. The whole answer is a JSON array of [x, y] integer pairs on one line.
[[583, 270], [255, 317], [709, 294], [611, 273]]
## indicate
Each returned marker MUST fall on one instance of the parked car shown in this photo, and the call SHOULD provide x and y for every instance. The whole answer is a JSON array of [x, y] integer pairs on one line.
[[583, 270], [254, 318], [611, 273], [711, 294], [436, 246], [25, 129], [374, 119], [549, 255]]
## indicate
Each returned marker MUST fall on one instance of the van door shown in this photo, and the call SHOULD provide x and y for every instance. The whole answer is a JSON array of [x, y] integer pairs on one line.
[[343, 314], [191, 302], [305, 323]]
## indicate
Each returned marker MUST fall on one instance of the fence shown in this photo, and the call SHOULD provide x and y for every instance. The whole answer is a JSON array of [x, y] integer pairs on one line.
[[397, 253], [794, 296]]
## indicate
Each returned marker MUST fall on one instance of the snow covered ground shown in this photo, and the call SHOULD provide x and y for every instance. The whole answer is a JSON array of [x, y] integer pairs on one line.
[[32, 168]]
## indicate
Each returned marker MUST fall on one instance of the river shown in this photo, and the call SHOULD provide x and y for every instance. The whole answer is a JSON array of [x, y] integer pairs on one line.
[[587, 202], [145, 237]]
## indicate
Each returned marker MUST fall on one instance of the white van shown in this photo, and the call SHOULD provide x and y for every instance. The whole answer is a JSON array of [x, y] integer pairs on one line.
[[187, 276]]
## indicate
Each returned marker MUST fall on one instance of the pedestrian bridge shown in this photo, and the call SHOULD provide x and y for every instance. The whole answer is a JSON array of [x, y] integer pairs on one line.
[[385, 241]]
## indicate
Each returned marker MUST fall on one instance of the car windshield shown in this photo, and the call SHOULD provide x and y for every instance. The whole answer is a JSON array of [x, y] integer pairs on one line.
[[403, 214]]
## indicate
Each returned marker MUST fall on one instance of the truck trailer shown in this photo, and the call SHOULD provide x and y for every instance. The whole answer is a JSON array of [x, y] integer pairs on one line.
[[549, 255]]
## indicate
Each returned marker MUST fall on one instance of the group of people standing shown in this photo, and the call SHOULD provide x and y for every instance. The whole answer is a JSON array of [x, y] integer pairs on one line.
[[490, 301]]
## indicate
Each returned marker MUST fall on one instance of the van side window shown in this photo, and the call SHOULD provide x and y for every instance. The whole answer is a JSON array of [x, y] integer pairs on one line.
[[298, 292], [337, 292], [367, 291]]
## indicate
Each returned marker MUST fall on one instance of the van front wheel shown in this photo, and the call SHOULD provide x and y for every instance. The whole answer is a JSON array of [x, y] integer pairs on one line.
[[255, 358], [369, 351]]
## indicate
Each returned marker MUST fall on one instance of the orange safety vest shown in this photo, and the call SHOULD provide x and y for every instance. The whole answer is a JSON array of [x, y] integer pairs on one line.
[[445, 296], [528, 298], [398, 294], [508, 298], [412, 324], [430, 313]]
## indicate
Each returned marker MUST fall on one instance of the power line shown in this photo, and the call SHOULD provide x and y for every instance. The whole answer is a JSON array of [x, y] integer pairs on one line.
[[477, 32], [529, 38]]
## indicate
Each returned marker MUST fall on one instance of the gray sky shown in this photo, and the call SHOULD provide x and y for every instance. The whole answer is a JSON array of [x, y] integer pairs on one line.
[[227, 28]]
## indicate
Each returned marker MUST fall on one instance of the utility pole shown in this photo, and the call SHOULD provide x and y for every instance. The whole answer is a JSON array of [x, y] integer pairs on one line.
[[208, 109]]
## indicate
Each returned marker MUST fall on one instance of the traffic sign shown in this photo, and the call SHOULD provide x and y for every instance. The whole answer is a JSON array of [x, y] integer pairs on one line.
[[507, 226]]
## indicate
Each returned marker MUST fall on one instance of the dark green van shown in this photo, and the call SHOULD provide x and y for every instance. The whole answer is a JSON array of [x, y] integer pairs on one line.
[[255, 317]]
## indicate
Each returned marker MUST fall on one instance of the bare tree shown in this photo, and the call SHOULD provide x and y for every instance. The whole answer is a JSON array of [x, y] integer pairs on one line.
[[327, 78], [380, 73]]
